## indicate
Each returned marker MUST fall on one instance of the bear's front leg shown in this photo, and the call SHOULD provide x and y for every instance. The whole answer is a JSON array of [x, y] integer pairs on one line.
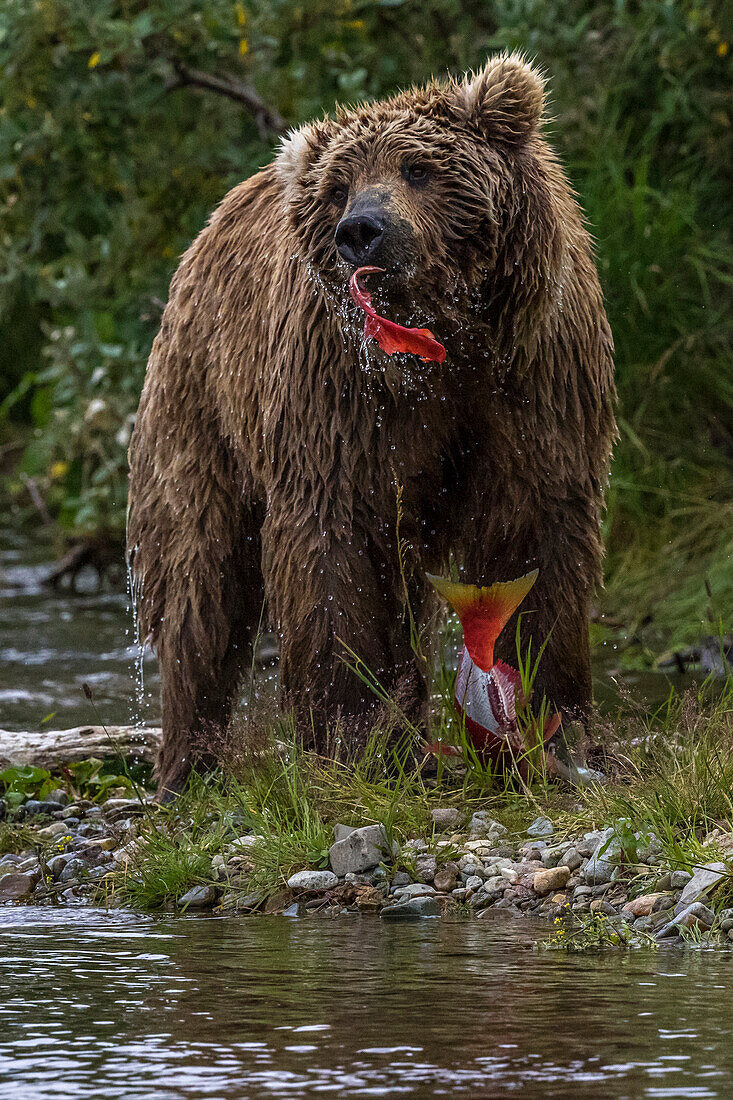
[[337, 598]]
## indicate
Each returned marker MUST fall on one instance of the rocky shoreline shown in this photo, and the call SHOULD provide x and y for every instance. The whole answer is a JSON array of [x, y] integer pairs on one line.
[[77, 852]]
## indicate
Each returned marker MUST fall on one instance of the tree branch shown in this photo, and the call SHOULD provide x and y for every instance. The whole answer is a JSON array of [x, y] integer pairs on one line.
[[268, 120]]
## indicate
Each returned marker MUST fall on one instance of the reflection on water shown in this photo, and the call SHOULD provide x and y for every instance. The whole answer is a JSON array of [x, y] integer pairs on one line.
[[95, 1003], [51, 642]]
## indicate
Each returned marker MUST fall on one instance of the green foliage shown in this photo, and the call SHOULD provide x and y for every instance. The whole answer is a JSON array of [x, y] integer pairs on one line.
[[112, 154], [674, 778], [21, 781], [94, 778], [593, 932]]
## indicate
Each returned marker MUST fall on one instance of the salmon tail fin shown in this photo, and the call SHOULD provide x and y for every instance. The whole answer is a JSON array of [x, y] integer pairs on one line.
[[484, 612]]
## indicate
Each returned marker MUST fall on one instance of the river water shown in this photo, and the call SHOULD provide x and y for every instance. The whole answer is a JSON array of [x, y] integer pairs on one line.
[[119, 1004], [114, 1004]]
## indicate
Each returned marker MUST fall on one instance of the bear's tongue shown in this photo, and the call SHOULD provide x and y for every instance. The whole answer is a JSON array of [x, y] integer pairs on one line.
[[390, 336]]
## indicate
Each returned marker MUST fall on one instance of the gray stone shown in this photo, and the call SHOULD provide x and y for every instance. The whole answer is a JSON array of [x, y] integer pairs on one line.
[[483, 825], [401, 878], [541, 826], [56, 828], [313, 882], [74, 869], [571, 858], [59, 796], [57, 863], [414, 890], [725, 920], [495, 886], [703, 880], [34, 808], [678, 880], [292, 910], [28, 865], [251, 901], [473, 882], [16, 887], [199, 897], [600, 867], [361, 850], [425, 867], [411, 909], [603, 907], [445, 818], [696, 915], [446, 878], [340, 832]]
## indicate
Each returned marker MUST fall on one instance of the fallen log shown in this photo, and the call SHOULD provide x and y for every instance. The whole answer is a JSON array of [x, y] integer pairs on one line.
[[49, 748]]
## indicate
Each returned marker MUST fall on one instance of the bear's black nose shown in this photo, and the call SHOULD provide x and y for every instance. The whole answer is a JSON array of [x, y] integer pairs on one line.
[[357, 237]]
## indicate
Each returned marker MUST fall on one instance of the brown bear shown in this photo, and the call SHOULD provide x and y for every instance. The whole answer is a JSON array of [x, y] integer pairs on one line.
[[271, 442]]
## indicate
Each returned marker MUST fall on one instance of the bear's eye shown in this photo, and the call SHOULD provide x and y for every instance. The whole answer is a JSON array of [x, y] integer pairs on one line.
[[415, 174], [339, 195]]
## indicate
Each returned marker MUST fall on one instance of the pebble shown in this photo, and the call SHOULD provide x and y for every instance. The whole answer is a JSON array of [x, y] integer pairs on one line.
[[571, 858], [414, 890], [56, 864], [411, 908], [59, 796], [600, 905], [56, 828], [73, 869], [725, 919], [445, 818], [16, 887], [598, 870], [696, 915], [483, 825], [641, 906], [199, 897], [541, 827], [446, 878], [426, 866], [34, 808], [313, 882], [550, 880], [703, 880], [360, 850]]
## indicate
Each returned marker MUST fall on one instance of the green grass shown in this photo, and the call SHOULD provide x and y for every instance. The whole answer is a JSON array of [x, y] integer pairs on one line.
[[670, 774]]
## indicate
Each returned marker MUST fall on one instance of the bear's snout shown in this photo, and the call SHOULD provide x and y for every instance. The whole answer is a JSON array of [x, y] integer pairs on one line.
[[359, 236]]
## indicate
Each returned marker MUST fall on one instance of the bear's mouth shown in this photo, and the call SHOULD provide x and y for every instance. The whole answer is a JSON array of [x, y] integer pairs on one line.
[[391, 337]]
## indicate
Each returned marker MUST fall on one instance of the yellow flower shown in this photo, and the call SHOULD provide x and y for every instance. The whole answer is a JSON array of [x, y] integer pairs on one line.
[[722, 49], [243, 46], [241, 15], [58, 469], [94, 59]]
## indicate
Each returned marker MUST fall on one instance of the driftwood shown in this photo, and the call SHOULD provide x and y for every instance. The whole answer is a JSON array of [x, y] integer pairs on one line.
[[49, 748]]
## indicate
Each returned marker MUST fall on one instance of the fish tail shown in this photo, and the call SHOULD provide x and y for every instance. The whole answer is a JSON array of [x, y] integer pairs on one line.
[[484, 612]]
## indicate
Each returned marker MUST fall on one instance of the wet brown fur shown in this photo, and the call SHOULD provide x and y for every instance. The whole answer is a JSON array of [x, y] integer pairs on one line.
[[268, 444]]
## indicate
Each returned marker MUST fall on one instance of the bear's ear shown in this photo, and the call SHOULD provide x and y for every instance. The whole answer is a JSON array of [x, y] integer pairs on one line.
[[505, 99], [298, 150]]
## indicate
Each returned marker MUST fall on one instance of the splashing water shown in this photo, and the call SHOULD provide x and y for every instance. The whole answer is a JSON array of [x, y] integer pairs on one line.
[[134, 595]]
